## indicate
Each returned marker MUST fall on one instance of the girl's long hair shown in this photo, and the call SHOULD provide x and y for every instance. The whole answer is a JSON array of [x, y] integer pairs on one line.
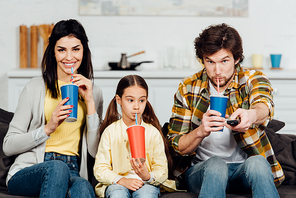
[[61, 29], [148, 115]]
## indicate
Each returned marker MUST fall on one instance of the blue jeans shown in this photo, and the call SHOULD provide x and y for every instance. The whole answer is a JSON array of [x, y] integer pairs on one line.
[[119, 191], [57, 176], [214, 178]]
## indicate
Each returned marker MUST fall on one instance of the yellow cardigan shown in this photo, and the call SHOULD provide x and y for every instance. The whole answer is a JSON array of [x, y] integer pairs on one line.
[[113, 157]]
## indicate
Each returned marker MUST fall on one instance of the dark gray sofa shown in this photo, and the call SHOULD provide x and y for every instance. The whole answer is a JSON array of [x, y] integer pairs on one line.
[[284, 147]]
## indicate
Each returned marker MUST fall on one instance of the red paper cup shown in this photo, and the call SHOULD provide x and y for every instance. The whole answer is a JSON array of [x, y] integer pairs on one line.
[[136, 136]]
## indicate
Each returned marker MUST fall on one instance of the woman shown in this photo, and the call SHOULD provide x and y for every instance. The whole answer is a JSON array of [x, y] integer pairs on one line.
[[48, 149]]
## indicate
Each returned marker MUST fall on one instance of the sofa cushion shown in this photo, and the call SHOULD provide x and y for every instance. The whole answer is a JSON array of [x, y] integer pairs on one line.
[[278, 142], [287, 158], [284, 147], [5, 116], [5, 162]]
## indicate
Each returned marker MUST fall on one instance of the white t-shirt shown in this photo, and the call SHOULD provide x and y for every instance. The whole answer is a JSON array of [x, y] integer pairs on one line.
[[221, 144]]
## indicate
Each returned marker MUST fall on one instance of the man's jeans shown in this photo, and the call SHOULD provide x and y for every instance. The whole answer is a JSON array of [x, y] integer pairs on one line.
[[146, 191], [214, 178], [56, 177]]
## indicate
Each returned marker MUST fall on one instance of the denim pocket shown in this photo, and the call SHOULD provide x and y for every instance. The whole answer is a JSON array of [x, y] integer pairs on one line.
[[73, 166], [48, 157]]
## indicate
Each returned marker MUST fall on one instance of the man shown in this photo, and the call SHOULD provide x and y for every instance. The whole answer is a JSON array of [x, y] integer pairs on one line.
[[240, 159]]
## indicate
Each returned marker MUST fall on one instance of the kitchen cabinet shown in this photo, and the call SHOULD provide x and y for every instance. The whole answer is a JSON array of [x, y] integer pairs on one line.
[[284, 100], [162, 86]]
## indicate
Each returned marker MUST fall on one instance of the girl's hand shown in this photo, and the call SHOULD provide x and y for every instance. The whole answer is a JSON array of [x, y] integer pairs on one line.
[[131, 184], [58, 116], [140, 169], [85, 90]]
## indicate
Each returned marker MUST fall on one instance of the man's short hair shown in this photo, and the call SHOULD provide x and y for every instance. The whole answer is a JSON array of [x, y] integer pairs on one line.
[[217, 37]]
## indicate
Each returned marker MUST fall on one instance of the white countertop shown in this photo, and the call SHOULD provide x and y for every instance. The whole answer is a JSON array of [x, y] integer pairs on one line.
[[161, 74]]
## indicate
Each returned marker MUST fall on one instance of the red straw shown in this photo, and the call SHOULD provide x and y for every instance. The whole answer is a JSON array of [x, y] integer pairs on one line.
[[218, 86]]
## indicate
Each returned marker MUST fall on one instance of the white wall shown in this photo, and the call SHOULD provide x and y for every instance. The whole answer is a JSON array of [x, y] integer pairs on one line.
[[269, 28]]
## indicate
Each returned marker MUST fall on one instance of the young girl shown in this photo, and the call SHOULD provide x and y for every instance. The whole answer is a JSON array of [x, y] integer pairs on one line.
[[48, 150], [118, 175]]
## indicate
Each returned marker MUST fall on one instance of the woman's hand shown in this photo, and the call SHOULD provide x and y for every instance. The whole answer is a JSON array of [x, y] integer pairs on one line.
[[85, 90], [85, 86], [131, 184], [58, 116], [140, 169], [211, 122]]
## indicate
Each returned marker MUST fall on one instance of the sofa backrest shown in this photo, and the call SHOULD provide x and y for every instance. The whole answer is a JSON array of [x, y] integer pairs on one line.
[[284, 147], [5, 162]]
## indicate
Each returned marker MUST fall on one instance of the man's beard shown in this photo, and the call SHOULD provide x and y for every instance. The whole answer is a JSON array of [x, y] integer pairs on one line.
[[221, 85]]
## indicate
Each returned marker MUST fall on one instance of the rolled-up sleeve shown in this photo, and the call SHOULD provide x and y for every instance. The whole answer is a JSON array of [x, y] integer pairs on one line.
[[261, 92]]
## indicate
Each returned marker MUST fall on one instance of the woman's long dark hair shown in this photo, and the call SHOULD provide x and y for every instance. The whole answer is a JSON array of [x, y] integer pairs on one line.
[[61, 29], [148, 115]]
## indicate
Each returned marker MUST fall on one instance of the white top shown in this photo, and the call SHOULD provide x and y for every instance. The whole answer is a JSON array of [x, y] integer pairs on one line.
[[221, 144]]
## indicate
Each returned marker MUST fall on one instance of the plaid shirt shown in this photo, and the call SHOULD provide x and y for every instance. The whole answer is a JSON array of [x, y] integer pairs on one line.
[[248, 88]]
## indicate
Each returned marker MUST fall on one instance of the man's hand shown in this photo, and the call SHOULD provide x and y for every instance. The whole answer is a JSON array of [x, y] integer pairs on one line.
[[257, 115], [246, 120], [131, 184], [211, 121]]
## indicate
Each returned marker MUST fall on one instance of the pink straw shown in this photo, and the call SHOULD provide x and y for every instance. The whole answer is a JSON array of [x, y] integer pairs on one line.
[[218, 86]]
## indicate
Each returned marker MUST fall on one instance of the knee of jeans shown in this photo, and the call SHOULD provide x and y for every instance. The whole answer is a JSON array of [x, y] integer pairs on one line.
[[148, 191], [258, 166], [80, 186], [116, 190], [59, 169], [216, 164], [84, 184], [214, 167]]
